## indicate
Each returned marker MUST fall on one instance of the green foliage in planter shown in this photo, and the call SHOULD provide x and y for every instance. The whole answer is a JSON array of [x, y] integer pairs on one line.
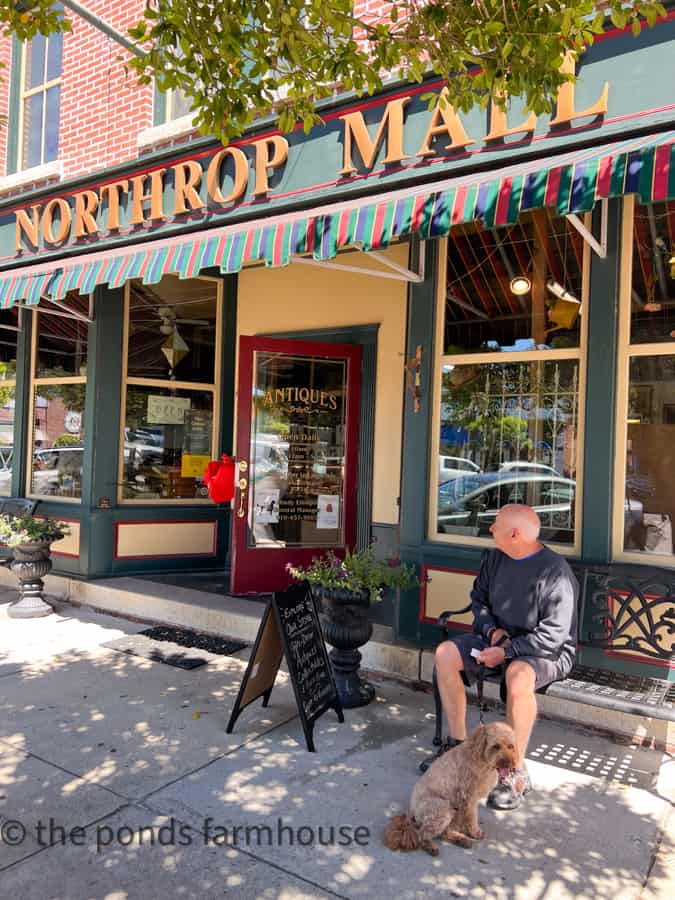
[[357, 572], [15, 530]]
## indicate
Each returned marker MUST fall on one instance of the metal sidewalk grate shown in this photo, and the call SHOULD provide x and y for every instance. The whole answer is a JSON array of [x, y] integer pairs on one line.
[[652, 692]]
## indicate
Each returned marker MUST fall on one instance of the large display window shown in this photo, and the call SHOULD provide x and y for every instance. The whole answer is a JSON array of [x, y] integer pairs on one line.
[[508, 414], [9, 327], [645, 489], [57, 399], [169, 391]]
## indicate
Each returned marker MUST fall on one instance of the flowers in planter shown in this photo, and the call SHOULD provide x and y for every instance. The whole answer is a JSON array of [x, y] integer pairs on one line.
[[15, 530], [357, 572]]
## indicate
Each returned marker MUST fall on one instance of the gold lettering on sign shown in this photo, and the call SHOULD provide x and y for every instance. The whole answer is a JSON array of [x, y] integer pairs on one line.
[[564, 108], [65, 219], [187, 180], [213, 175], [155, 197], [29, 227], [86, 204], [445, 120], [113, 192], [356, 130], [499, 126], [270, 153]]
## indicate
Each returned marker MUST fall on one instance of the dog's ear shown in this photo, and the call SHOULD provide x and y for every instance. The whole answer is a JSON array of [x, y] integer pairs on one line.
[[478, 742]]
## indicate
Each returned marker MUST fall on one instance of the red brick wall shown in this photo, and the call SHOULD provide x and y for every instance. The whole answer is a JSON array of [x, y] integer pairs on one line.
[[6, 58], [102, 107]]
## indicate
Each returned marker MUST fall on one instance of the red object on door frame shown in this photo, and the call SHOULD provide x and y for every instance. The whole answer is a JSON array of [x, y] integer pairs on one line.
[[262, 570], [219, 479]]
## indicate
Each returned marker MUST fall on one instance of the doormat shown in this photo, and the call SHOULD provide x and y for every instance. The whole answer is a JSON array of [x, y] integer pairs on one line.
[[178, 647]]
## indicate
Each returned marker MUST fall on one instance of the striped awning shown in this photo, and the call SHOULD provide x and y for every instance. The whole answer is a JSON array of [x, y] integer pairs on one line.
[[570, 183]]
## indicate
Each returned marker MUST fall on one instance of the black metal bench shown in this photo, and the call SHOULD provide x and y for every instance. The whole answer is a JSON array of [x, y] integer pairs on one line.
[[631, 694], [14, 506]]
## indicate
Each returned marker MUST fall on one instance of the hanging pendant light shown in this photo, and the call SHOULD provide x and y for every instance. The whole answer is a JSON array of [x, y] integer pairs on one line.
[[175, 349]]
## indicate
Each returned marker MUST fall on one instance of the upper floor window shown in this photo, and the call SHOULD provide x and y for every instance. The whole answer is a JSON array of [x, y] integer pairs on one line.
[[177, 105], [40, 99]]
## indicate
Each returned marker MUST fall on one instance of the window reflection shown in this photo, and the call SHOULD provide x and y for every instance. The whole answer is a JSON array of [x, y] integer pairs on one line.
[[508, 435], [650, 455], [58, 440]]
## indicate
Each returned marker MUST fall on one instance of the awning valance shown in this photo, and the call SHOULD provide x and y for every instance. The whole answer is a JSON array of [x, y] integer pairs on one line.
[[571, 183]]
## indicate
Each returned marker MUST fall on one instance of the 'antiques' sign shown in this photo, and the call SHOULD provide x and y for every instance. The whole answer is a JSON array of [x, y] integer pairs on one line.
[[290, 627]]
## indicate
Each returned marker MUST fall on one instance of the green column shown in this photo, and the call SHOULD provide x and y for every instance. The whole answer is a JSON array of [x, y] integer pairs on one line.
[[417, 428], [22, 426], [598, 438], [102, 430]]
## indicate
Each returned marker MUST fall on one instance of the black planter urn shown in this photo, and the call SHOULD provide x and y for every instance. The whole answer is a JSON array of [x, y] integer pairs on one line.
[[346, 626], [31, 562]]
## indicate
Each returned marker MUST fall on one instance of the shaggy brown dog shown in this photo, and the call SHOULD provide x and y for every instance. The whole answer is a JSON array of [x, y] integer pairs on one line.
[[444, 801]]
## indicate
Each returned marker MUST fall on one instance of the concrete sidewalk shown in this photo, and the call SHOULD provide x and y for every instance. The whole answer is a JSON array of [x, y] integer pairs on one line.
[[134, 754]]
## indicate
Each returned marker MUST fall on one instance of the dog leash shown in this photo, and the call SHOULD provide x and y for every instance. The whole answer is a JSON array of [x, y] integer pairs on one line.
[[479, 690], [480, 682]]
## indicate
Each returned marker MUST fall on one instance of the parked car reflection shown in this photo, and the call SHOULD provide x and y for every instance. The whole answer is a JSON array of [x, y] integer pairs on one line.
[[57, 471], [470, 504]]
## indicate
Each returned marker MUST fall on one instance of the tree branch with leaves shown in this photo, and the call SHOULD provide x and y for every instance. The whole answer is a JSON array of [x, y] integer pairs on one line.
[[240, 60]]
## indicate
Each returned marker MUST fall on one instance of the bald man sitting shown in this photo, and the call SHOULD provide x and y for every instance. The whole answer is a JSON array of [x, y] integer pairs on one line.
[[524, 604]]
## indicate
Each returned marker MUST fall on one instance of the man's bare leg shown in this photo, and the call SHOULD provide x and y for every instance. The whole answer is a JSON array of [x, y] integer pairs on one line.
[[521, 705], [451, 688]]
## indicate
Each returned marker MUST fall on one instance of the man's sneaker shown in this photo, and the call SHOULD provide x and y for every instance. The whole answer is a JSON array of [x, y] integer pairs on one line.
[[447, 744], [512, 786]]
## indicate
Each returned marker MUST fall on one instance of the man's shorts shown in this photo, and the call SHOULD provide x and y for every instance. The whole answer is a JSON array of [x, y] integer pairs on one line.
[[546, 670]]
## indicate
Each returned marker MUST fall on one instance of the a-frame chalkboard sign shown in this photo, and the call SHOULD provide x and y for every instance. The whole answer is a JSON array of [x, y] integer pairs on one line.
[[290, 627]]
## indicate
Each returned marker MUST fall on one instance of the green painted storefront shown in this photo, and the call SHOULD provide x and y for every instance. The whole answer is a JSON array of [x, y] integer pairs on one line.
[[640, 74]]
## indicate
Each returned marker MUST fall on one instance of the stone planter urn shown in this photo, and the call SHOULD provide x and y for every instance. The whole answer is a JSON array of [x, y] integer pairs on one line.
[[346, 626], [32, 561]]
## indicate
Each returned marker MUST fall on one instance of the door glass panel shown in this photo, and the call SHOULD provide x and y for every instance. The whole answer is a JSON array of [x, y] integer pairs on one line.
[[297, 451]]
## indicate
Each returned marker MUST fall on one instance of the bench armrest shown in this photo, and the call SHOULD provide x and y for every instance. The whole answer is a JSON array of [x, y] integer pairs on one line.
[[445, 616]]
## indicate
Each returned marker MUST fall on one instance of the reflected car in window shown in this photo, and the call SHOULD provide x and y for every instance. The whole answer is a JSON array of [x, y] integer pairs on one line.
[[58, 471], [472, 503], [454, 467]]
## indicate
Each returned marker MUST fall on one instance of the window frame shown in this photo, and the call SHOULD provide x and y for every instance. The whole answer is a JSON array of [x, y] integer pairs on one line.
[[11, 383], [23, 95], [205, 387], [36, 381], [626, 352], [441, 360]]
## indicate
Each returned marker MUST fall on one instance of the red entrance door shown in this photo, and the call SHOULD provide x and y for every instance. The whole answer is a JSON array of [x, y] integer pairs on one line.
[[297, 436]]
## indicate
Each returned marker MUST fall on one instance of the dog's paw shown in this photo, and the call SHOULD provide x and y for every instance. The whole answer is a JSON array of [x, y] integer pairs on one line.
[[476, 833], [430, 848]]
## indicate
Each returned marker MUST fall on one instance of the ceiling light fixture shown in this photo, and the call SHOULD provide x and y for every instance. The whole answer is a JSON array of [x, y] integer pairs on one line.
[[520, 285]]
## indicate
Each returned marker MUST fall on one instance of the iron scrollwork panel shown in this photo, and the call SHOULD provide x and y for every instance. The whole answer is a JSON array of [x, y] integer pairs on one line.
[[629, 613]]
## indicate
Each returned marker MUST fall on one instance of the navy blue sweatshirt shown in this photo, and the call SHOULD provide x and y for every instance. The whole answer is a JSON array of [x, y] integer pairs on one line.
[[533, 599]]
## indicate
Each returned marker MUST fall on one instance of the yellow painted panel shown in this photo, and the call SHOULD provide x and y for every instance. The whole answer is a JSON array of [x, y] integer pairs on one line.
[[448, 591], [69, 545], [152, 539], [300, 297]]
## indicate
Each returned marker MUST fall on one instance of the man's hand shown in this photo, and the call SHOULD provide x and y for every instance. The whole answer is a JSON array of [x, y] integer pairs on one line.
[[492, 657], [496, 635]]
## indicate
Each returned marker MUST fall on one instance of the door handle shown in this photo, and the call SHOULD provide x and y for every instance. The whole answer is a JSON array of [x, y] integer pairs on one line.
[[243, 484]]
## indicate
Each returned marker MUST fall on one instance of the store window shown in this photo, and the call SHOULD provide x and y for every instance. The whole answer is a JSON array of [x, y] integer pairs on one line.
[[647, 396], [58, 389], [9, 327], [40, 100], [509, 378], [169, 409]]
